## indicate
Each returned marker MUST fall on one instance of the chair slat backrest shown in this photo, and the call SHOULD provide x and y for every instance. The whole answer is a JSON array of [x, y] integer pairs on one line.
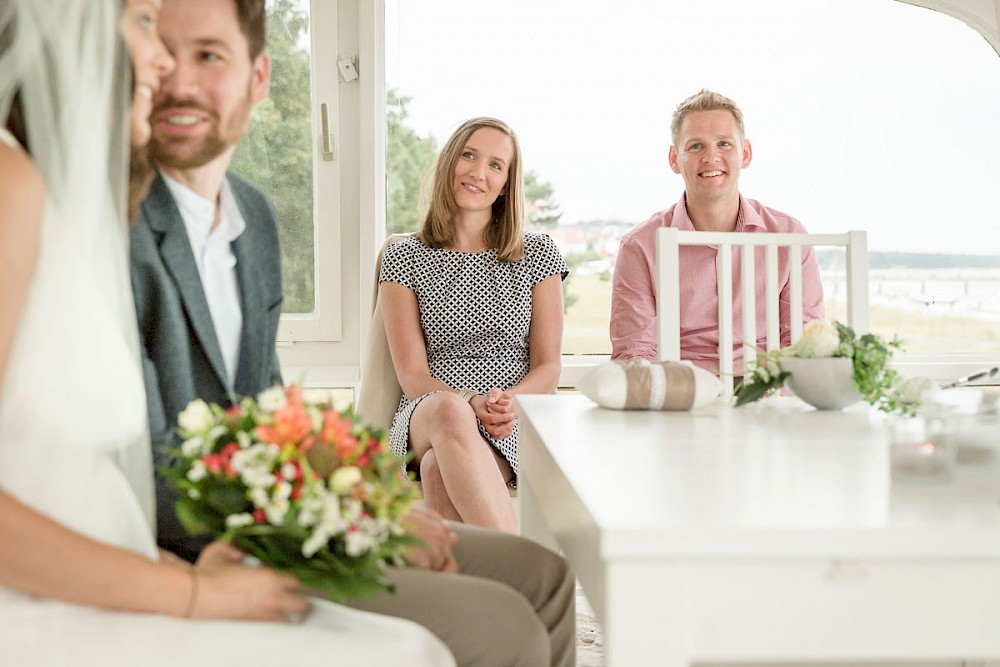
[[379, 393], [668, 243]]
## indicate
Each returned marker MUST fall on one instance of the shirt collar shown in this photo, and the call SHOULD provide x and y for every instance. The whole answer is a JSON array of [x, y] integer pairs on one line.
[[198, 212], [746, 218], [749, 219]]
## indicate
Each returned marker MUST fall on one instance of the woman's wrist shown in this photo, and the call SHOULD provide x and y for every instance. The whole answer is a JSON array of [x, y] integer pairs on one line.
[[193, 597]]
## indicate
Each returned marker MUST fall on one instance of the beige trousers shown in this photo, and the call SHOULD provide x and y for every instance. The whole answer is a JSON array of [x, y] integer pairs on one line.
[[513, 603]]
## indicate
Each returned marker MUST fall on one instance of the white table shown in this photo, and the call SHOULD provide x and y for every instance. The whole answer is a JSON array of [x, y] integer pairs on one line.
[[766, 533]]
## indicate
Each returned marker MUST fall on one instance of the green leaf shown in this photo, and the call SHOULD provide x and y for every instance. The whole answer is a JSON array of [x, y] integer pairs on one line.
[[195, 519], [228, 499]]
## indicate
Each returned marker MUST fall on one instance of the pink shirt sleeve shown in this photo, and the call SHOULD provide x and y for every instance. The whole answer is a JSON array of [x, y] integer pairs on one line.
[[633, 304]]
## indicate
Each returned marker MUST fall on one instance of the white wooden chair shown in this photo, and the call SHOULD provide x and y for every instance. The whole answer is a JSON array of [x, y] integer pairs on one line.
[[668, 243]]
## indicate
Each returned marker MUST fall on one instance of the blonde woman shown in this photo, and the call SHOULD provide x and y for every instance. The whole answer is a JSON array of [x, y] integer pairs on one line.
[[473, 315]]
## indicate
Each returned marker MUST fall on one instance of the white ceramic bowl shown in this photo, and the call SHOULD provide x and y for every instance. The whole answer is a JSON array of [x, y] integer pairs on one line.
[[826, 383]]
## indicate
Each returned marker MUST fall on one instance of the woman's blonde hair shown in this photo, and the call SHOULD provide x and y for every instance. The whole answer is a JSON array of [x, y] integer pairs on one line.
[[506, 229]]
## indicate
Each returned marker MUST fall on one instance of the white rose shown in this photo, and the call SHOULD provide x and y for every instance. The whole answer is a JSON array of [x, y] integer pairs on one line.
[[819, 339], [343, 479], [196, 418], [272, 399]]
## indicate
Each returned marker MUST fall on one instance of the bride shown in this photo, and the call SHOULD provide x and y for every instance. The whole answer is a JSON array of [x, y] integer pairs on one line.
[[81, 581]]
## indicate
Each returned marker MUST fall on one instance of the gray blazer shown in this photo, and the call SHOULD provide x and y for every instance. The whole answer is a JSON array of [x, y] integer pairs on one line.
[[182, 360]]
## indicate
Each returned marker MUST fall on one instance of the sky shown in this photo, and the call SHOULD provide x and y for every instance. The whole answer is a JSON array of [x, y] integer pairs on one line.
[[862, 114]]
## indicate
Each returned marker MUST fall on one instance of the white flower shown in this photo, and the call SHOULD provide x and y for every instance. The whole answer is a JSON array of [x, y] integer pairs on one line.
[[282, 490], [344, 479], [272, 399], [239, 520], [331, 517], [197, 471], [193, 447], [352, 509], [310, 511], [819, 339], [194, 494], [364, 536], [196, 417], [254, 464], [288, 471], [763, 374], [357, 543], [217, 431], [259, 497], [314, 543], [243, 439], [276, 511]]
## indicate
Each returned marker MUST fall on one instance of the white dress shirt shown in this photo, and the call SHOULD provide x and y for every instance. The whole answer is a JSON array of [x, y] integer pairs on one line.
[[213, 254]]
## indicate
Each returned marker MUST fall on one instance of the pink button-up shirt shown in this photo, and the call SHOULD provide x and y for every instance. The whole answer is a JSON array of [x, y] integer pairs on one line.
[[633, 293]]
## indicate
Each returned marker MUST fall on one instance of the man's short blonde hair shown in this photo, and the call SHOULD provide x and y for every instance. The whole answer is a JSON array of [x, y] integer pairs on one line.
[[704, 100]]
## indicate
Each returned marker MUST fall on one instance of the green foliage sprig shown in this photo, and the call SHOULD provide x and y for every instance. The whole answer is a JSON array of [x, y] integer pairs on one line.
[[877, 383]]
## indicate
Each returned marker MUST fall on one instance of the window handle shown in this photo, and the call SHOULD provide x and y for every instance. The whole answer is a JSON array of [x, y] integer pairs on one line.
[[327, 151]]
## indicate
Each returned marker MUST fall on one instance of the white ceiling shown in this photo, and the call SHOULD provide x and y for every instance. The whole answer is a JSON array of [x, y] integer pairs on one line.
[[982, 15]]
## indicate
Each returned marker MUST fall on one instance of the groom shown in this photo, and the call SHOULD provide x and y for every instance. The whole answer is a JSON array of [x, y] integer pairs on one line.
[[206, 265], [207, 281]]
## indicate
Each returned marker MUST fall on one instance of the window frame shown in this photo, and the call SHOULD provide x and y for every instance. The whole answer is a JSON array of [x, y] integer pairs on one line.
[[325, 323]]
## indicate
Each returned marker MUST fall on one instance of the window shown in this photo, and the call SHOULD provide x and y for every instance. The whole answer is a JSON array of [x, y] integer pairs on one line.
[[862, 115], [282, 153]]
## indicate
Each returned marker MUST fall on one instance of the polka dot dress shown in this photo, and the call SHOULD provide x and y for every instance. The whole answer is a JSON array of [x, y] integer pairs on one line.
[[475, 312]]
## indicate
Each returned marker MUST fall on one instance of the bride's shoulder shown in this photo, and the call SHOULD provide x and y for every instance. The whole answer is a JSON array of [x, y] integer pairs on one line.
[[22, 190]]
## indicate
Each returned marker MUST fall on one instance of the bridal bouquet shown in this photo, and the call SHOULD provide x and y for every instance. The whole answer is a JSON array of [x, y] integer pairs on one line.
[[302, 487], [876, 382]]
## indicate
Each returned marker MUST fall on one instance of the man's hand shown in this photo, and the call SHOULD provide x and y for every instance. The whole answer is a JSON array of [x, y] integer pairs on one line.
[[435, 552]]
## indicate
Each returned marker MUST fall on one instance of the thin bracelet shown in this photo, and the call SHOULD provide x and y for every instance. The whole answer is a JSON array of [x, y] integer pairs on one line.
[[194, 593], [468, 394]]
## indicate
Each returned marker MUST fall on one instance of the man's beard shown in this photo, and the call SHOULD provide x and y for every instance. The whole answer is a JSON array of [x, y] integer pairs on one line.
[[177, 153]]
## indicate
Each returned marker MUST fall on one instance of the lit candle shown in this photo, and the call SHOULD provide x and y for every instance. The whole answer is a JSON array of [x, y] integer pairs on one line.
[[920, 452]]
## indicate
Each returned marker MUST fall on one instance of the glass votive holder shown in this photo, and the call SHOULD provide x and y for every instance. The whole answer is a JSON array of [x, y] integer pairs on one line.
[[974, 420], [921, 450]]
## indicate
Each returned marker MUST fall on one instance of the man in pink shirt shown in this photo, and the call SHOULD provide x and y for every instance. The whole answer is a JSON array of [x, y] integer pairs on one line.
[[708, 150]]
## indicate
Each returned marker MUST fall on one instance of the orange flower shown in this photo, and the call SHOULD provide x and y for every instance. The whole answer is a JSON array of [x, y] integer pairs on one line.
[[337, 432], [291, 424], [293, 393]]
